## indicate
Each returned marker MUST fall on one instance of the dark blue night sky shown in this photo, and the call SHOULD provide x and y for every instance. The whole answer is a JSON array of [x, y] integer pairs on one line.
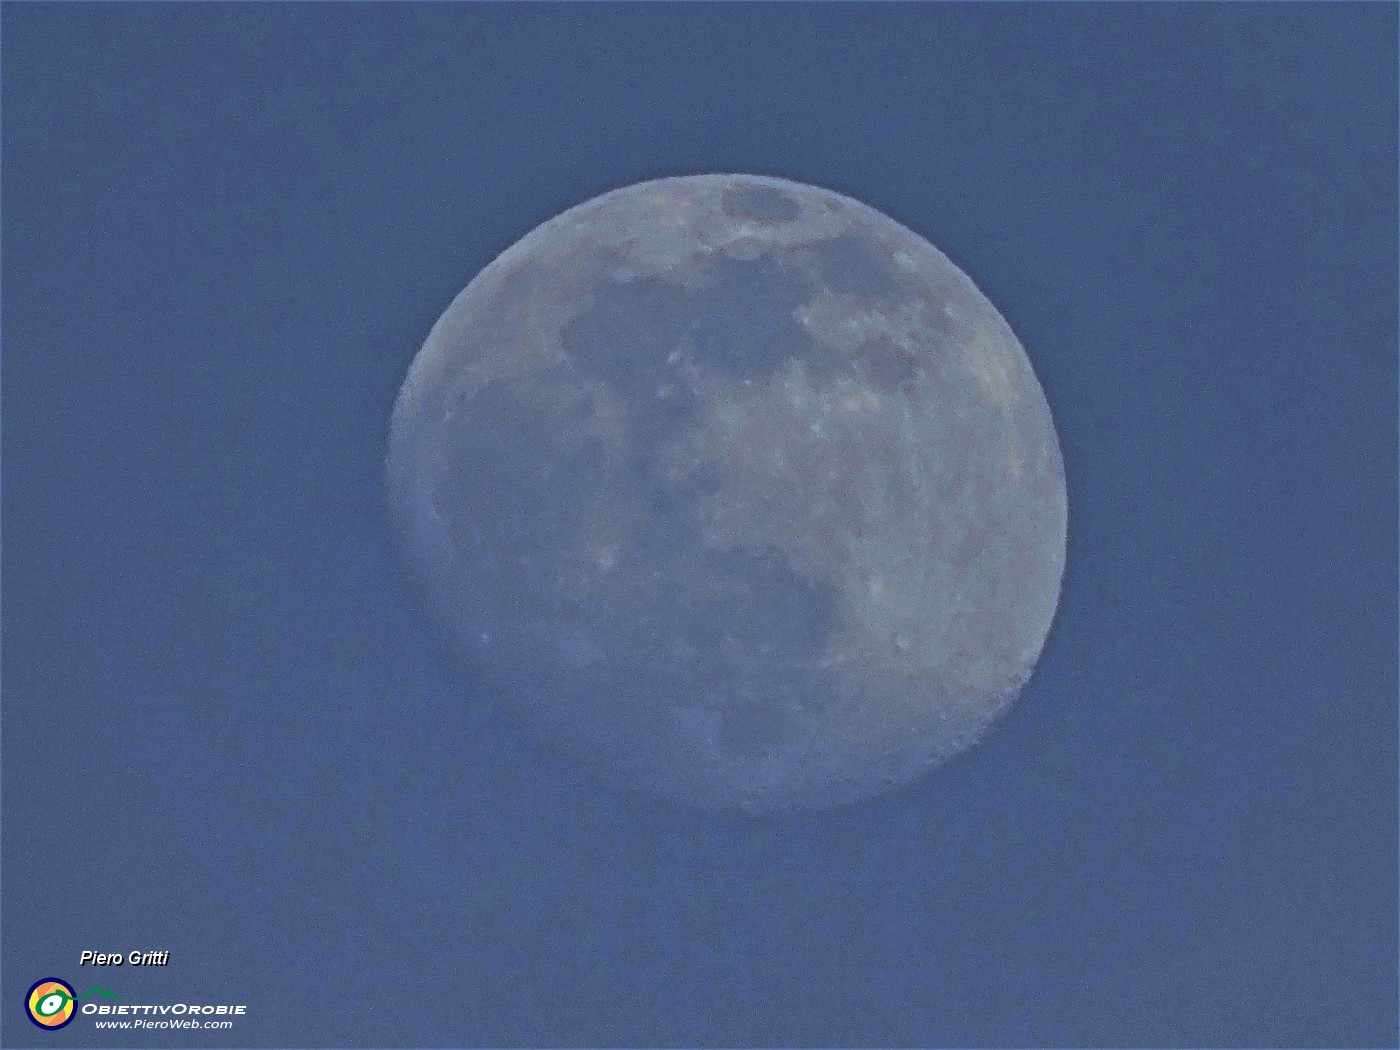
[[229, 733]]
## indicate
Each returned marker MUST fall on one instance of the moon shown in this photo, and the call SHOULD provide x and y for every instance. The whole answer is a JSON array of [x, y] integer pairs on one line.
[[736, 490]]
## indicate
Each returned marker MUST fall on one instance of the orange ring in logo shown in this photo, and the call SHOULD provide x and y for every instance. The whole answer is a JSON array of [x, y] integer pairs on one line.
[[50, 1003]]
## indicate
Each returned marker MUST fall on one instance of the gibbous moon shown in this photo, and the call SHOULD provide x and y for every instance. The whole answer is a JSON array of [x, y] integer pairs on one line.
[[736, 490]]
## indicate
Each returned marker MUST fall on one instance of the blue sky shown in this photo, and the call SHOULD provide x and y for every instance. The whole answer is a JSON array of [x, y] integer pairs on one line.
[[229, 734]]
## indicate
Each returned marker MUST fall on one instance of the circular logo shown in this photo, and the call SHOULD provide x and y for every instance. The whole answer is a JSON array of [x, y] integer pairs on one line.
[[50, 1003]]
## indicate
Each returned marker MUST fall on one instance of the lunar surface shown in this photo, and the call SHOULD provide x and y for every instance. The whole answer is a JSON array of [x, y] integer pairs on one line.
[[736, 490]]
